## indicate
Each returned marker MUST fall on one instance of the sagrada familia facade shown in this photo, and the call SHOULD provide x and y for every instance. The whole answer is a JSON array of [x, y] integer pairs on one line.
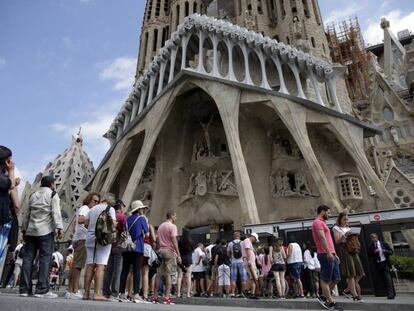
[[239, 116]]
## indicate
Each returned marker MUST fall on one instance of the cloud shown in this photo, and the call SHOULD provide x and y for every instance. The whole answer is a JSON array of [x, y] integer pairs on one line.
[[344, 13], [67, 42], [121, 71], [2, 62], [398, 21]]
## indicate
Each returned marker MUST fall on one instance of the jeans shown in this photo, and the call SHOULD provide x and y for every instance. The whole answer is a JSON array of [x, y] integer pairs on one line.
[[44, 244], [112, 274], [135, 259]]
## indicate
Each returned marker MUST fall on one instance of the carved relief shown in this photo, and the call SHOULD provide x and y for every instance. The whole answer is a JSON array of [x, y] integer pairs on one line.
[[285, 148], [219, 182], [288, 184]]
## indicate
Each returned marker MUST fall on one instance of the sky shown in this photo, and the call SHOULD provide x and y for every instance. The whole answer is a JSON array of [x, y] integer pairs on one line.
[[66, 64]]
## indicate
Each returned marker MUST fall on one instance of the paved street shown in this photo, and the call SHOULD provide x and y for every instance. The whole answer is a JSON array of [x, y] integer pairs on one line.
[[13, 302]]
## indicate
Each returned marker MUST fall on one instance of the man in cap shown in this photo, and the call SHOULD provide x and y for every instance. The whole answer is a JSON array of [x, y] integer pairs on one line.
[[137, 226], [249, 258], [40, 223]]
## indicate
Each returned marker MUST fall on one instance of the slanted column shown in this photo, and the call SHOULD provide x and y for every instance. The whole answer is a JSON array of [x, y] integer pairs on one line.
[[173, 58], [265, 81], [118, 130], [247, 78], [315, 85], [230, 74], [126, 120], [161, 77], [200, 67], [352, 139], [294, 118], [142, 100], [151, 88], [295, 71], [215, 71], [184, 44], [283, 89], [135, 105], [331, 84]]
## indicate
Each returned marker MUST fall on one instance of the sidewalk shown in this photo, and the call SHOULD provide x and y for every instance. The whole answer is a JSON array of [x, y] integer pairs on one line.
[[400, 303]]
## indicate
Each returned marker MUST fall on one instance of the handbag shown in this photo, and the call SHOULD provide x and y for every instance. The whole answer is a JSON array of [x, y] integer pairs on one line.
[[127, 243]]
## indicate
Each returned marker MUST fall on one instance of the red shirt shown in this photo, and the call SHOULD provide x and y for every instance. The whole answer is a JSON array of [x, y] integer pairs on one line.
[[320, 224], [120, 219]]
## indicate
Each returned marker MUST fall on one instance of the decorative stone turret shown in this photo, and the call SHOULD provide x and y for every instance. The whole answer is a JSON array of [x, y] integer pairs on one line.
[[72, 171]]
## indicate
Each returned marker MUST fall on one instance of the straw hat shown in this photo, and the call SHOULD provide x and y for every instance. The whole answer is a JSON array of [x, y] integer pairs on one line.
[[136, 205]]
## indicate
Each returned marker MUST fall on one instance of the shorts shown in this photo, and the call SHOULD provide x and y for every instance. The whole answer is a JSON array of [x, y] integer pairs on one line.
[[237, 268], [98, 255], [79, 254], [187, 260], [223, 275], [316, 275], [294, 270], [329, 269], [199, 275], [168, 265], [252, 272], [278, 267]]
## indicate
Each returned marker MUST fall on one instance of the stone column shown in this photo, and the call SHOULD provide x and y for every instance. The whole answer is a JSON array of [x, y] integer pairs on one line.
[[352, 139], [227, 100], [294, 118]]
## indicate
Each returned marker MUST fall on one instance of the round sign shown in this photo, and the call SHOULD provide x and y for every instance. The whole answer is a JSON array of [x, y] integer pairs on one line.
[[377, 217]]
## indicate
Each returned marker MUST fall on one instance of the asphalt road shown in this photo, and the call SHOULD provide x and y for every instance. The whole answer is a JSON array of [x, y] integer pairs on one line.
[[12, 302]]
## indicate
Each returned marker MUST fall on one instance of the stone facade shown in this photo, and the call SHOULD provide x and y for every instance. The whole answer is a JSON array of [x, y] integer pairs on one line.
[[72, 171], [228, 127]]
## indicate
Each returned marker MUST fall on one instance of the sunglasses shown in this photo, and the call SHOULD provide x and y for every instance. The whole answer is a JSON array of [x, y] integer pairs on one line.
[[96, 201]]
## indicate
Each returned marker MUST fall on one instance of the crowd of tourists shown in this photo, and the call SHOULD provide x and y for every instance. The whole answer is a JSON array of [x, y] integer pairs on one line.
[[129, 259]]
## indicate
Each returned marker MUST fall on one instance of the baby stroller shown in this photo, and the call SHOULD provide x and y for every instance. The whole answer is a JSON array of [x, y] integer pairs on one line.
[[269, 289], [54, 276]]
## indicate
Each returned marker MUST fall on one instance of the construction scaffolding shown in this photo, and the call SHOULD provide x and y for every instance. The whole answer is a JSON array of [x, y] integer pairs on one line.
[[348, 48]]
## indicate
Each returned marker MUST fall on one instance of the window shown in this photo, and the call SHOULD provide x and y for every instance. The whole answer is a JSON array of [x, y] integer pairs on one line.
[[293, 6], [282, 7], [149, 10], [313, 42], [158, 8], [306, 8], [195, 7], [388, 114], [349, 187], [259, 6], [287, 40], [155, 40], [167, 7], [239, 7], [177, 13], [187, 9]]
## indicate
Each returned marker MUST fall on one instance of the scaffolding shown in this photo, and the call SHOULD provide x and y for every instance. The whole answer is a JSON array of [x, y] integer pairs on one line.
[[348, 48]]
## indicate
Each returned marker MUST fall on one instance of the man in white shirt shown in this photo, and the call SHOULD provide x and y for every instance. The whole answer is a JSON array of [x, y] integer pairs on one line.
[[40, 223], [199, 271]]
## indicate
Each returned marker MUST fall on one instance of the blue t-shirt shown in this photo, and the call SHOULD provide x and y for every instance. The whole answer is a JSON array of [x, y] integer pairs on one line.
[[137, 230]]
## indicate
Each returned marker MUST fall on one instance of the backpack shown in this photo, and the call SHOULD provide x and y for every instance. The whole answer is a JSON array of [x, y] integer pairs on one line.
[[127, 243], [237, 250], [105, 231], [352, 244]]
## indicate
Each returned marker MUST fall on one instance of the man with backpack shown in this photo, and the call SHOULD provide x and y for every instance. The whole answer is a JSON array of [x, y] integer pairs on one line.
[[40, 223], [101, 224], [234, 250]]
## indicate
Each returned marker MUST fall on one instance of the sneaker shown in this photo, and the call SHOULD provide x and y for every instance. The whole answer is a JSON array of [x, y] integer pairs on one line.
[[347, 294], [357, 299], [48, 295], [252, 296], [67, 295], [335, 306], [123, 298], [323, 302], [24, 295], [154, 300], [113, 299], [137, 299], [169, 301]]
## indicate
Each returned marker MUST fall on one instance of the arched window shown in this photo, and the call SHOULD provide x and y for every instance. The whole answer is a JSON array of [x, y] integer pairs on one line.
[[158, 8], [187, 9], [313, 42], [155, 40], [149, 10], [195, 7], [259, 6], [287, 40], [177, 16]]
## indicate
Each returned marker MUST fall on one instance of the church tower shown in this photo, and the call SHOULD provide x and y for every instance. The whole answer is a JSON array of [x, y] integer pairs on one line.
[[294, 22], [161, 18]]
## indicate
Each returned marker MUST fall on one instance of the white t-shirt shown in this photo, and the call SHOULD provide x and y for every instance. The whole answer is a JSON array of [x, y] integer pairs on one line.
[[80, 229], [296, 255], [197, 263], [19, 261], [342, 231], [93, 217], [208, 251]]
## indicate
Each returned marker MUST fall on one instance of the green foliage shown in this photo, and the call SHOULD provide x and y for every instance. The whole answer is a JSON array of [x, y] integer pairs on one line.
[[404, 265]]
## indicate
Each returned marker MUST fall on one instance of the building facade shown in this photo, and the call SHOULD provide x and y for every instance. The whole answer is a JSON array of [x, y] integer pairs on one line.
[[227, 126]]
